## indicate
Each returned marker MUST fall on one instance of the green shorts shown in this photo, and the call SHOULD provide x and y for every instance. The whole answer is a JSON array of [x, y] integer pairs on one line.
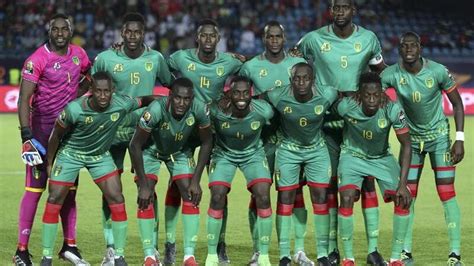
[[223, 167], [123, 137], [289, 160], [353, 169], [439, 151], [179, 164], [68, 164]]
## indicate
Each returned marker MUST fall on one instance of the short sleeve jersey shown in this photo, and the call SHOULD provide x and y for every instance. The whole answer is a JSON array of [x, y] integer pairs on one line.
[[208, 78], [57, 80], [91, 132], [266, 75], [301, 122], [339, 62], [241, 136], [421, 97], [365, 136], [134, 77], [169, 134]]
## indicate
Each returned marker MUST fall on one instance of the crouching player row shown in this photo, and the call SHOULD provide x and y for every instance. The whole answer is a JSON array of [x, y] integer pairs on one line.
[[81, 138]]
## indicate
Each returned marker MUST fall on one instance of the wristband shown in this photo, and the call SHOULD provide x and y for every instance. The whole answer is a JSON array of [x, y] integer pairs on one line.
[[460, 135], [26, 134]]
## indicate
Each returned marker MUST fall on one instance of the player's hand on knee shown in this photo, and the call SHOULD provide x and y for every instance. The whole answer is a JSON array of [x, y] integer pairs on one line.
[[32, 150], [195, 193], [144, 197], [117, 46], [403, 197], [457, 151]]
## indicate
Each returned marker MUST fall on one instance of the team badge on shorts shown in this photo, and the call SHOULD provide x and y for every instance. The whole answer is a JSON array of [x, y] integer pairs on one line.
[[382, 122], [29, 68], [357, 47], [57, 170], [318, 109], [429, 83], [255, 125], [220, 71], [75, 60], [190, 121], [148, 66], [115, 116]]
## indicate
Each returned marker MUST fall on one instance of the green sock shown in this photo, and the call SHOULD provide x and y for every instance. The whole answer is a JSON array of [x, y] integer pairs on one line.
[[400, 224], [253, 227], [156, 223], [171, 219], [371, 220], [407, 243], [146, 226], [452, 215], [107, 224], [346, 229], [300, 217], [332, 229], [224, 225], [283, 224], [321, 226], [191, 226], [120, 236], [264, 233], [48, 238], [213, 230]]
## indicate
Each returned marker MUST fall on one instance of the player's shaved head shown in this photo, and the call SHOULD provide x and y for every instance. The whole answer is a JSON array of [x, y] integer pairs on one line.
[[300, 65], [369, 77], [133, 17], [182, 83], [273, 23], [238, 79], [350, 2], [410, 34], [207, 22], [101, 75]]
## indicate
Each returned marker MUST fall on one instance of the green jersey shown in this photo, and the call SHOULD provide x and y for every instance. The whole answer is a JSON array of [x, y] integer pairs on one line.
[[339, 62], [301, 122], [266, 75], [208, 78], [169, 134], [367, 136], [241, 136], [134, 77], [421, 97], [92, 132]]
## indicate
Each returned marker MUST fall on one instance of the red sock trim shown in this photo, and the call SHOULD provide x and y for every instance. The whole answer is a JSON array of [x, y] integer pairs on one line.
[[320, 209], [401, 212], [416, 166], [173, 197], [70, 242], [299, 201], [413, 187], [252, 203], [148, 213], [332, 201], [118, 212], [346, 212], [216, 214], [369, 200], [284, 209], [445, 168], [264, 213], [446, 192], [189, 208], [51, 213]]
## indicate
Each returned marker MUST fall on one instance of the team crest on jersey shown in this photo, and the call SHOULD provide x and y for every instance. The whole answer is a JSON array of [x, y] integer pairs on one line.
[[190, 121], [29, 68], [148, 66], [115, 116], [255, 125], [88, 120], [118, 68], [318, 109], [382, 122], [429, 82], [220, 71], [191, 67], [225, 125], [75, 60], [263, 73], [56, 66], [325, 47], [403, 81], [357, 47], [146, 117], [278, 83]]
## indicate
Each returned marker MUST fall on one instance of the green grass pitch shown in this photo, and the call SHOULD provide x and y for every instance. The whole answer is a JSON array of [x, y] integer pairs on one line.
[[430, 236]]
